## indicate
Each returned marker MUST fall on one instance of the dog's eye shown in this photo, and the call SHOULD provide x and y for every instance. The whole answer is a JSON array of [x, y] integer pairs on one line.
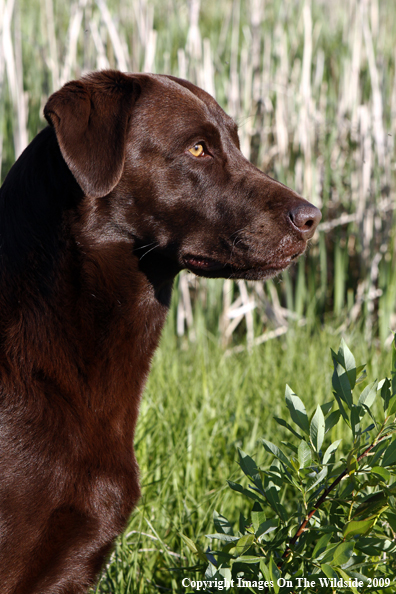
[[197, 150]]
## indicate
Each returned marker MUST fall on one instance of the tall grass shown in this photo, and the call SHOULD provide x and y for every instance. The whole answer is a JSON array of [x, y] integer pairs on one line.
[[313, 88]]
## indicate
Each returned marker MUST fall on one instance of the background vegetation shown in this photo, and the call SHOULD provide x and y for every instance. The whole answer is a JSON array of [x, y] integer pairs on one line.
[[312, 85]]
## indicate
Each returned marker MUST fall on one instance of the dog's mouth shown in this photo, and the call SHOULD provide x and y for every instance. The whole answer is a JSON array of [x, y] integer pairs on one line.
[[203, 266], [199, 263]]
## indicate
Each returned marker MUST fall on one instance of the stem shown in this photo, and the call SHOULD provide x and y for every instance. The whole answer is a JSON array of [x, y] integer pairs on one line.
[[351, 506]]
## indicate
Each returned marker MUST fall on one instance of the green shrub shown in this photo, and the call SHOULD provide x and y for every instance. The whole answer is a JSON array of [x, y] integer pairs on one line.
[[320, 521]]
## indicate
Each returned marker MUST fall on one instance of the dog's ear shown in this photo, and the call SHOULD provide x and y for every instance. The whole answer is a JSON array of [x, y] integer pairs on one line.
[[90, 117]]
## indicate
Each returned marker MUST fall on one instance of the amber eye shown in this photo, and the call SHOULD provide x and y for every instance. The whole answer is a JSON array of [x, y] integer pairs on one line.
[[197, 150]]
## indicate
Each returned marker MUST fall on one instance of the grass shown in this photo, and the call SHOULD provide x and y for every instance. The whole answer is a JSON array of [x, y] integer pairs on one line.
[[199, 407]]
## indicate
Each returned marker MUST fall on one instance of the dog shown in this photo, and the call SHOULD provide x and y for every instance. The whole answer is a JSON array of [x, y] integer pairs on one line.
[[136, 177]]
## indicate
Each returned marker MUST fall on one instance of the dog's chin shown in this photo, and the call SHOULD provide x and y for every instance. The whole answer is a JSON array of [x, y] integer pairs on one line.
[[210, 268]]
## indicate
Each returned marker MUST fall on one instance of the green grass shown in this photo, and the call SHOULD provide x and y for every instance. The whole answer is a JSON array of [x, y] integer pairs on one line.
[[199, 406]]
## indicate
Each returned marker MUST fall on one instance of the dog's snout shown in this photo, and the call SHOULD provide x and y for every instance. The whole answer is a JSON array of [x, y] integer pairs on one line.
[[305, 217]]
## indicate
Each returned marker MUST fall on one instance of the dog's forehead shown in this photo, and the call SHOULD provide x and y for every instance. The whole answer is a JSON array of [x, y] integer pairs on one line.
[[180, 101]]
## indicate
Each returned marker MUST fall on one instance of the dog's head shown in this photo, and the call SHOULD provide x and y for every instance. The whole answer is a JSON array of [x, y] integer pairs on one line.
[[161, 159]]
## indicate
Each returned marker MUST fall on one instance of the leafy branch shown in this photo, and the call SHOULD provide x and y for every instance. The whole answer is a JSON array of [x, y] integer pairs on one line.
[[323, 497], [350, 535]]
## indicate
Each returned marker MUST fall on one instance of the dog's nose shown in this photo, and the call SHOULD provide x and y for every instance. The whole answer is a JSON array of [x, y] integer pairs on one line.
[[305, 217]]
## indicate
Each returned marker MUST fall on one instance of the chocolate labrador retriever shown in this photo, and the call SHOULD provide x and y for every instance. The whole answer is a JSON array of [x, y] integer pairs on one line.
[[136, 177]]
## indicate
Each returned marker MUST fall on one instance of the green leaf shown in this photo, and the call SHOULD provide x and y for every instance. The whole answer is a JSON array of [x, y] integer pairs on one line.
[[277, 452], [371, 505], [392, 520], [244, 544], [368, 395], [316, 480], [390, 429], [247, 464], [341, 385], [369, 412], [344, 376], [287, 426], [304, 454], [274, 573], [321, 545], [356, 575], [271, 493], [355, 419], [222, 524], [385, 387], [266, 527], [342, 409], [258, 483], [345, 577], [352, 462], [361, 374], [194, 548], [379, 450], [290, 446], [354, 527], [343, 553], [244, 524], [381, 472], [393, 373], [246, 492], [345, 365], [369, 428], [219, 536], [265, 570], [332, 420], [225, 573], [297, 410], [329, 553], [392, 406], [349, 362], [317, 429], [345, 359], [390, 455], [326, 408], [332, 448], [276, 473], [248, 559], [371, 546], [258, 517], [329, 571]]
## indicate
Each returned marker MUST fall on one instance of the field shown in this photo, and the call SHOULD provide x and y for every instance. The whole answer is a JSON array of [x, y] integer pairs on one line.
[[312, 86]]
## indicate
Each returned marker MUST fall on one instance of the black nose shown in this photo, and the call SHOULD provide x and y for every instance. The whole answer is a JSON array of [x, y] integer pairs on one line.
[[305, 217]]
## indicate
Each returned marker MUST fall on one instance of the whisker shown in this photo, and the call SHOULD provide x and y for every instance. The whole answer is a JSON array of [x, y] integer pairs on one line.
[[239, 230], [148, 251], [144, 246]]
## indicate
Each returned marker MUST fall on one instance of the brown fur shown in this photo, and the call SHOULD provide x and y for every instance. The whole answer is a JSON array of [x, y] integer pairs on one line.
[[97, 217]]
